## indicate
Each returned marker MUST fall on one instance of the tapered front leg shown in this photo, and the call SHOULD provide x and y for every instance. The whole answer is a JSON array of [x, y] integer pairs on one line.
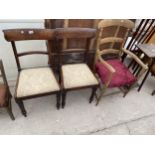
[[9, 109], [63, 98], [92, 94], [22, 108], [58, 96], [100, 95], [10, 113]]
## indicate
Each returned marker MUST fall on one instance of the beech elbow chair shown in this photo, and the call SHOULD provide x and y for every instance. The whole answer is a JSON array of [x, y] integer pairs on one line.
[[111, 71], [5, 94], [32, 82], [78, 75]]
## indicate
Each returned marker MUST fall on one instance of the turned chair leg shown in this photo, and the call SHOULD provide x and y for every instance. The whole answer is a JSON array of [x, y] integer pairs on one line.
[[58, 95], [92, 94], [9, 109], [63, 98], [22, 108]]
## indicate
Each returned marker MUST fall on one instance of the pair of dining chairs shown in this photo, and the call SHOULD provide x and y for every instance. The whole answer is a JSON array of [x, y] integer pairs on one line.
[[41, 81]]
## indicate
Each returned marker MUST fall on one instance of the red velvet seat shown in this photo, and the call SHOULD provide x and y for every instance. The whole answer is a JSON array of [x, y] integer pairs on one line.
[[3, 93], [121, 77]]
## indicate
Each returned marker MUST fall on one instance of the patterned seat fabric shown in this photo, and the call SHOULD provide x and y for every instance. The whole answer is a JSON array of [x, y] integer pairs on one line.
[[36, 81], [121, 77], [78, 75], [3, 93]]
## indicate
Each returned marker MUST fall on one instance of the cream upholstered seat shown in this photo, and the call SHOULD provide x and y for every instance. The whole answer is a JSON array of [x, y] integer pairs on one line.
[[36, 81], [77, 75]]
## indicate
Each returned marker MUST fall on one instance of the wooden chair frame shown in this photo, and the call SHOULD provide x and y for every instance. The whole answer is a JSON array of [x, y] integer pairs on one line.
[[73, 23], [138, 37], [13, 35], [141, 67], [74, 33], [7, 105]]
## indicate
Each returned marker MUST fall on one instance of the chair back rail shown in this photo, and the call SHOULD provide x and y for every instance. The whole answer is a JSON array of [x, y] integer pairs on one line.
[[116, 22], [32, 52], [146, 34], [113, 34], [73, 43], [28, 34], [13, 35], [143, 34], [74, 33], [134, 34], [139, 34]]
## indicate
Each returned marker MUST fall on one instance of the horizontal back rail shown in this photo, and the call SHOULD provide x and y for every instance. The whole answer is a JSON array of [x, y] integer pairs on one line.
[[62, 33], [116, 22], [28, 34], [110, 40], [32, 52]]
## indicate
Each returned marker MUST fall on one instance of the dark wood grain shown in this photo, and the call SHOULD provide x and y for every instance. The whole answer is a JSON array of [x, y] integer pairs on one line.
[[28, 34], [13, 35], [72, 43], [74, 33], [77, 33]]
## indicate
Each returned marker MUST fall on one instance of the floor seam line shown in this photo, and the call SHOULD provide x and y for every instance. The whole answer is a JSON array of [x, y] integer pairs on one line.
[[123, 123], [126, 124]]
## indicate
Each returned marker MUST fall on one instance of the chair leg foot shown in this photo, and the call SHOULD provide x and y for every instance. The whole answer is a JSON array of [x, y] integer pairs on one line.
[[10, 113], [153, 92], [92, 94], [58, 95], [22, 108], [64, 99], [126, 91], [124, 94], [9, 109], [97, 102], [100, 96]]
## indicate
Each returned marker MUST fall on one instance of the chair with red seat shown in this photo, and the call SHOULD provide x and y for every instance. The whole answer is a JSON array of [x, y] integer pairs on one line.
[[5, 95], [108, 65]]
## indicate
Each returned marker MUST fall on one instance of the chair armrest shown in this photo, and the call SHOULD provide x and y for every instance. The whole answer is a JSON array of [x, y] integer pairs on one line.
[[108, 66], [145, 67]]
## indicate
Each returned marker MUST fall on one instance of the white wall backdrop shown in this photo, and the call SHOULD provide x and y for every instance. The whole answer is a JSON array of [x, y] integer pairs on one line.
[[6, 52]]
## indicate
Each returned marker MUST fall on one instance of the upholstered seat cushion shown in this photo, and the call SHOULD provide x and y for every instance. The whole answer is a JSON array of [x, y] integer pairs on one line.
[[121, 77], [3, 93], [36, 81], [78, 75]]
